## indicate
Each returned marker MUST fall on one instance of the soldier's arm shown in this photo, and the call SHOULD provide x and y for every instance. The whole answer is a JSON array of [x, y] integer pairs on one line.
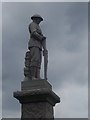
[[34, 33]]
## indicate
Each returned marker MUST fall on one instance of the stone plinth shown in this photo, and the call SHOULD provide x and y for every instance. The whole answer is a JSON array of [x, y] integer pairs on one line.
[[37, 99]]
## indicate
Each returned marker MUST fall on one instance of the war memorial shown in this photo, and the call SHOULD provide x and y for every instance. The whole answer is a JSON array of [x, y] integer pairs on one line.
[[36, 96]]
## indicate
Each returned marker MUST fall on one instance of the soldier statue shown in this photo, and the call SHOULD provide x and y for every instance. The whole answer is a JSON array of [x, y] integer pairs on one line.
[[36, 96], [36, 43]]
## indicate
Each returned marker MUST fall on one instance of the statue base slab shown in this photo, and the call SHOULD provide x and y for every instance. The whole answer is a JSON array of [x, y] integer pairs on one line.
[[37, 99]]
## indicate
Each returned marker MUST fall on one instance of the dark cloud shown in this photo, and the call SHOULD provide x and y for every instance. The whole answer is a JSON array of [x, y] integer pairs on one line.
[[65, 25]]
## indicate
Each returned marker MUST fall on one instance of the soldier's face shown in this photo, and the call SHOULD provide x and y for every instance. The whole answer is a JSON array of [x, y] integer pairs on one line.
[[38, 20]]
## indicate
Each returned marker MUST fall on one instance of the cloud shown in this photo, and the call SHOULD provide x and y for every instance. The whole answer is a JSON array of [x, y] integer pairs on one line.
[[0, 60], [11, 114], [71, 95], [69, 51], [67, 41]]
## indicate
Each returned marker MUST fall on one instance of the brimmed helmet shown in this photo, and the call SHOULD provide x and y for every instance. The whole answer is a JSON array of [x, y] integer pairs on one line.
[[37, 16]]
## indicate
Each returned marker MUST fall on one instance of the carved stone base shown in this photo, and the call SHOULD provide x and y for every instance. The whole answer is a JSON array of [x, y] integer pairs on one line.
[[37, 110], [37, 99]]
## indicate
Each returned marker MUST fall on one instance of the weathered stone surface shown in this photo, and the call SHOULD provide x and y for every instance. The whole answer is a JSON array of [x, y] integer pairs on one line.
[[37, 110], [37, 95], [35, 84], [37, 99]]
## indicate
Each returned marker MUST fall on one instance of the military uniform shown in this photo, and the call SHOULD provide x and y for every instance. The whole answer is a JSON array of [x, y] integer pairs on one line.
[[35, 47]]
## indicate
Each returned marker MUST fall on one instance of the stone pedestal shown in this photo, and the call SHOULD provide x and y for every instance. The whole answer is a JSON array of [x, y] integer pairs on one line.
[[37, 99]]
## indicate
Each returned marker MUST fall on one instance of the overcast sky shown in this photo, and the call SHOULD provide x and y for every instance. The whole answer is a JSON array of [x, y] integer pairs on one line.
[[0, 61], [66, 27]]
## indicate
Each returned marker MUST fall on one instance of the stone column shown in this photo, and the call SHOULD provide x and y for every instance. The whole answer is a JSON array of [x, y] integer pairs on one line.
[[37, 99]]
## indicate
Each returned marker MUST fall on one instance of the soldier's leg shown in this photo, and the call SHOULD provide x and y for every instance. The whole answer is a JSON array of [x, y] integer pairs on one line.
[[38, 73], [33, 72], [33, 64]]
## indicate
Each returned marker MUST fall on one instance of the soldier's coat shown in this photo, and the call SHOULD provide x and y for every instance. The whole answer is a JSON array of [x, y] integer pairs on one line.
[[35, 41], [35, 44]]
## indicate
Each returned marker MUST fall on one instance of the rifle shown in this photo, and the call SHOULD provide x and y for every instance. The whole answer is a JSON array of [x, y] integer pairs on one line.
[[45, 54]]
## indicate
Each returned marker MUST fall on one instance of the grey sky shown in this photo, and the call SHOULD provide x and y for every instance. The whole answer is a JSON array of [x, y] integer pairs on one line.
[[0, 61], [66, 28]]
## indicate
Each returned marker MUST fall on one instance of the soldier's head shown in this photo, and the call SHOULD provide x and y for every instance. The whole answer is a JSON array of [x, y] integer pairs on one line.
[[37, 18]]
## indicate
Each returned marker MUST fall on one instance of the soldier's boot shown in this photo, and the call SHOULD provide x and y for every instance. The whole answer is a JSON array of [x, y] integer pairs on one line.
[[33, 73], [38, 73]]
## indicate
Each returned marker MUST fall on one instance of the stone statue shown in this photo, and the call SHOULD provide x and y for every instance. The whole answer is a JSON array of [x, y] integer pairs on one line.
[[33, 57], [36, 96]]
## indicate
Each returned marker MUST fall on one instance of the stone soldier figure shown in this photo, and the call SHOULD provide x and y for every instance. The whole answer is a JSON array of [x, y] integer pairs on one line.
[[35, 46], [36, 96]]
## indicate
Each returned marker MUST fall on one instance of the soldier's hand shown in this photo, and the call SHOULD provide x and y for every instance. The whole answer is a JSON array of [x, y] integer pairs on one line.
[[44, 38], [45, 52]]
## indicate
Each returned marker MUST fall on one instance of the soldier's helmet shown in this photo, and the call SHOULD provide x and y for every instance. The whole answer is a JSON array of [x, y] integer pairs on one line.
[[37, 16]]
